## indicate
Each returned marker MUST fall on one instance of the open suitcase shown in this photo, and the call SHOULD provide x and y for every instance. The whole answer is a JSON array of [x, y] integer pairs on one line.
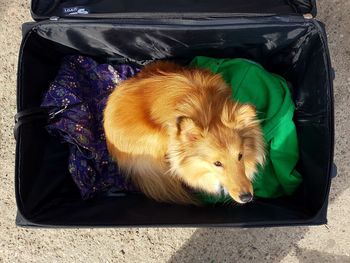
[[282, 35]]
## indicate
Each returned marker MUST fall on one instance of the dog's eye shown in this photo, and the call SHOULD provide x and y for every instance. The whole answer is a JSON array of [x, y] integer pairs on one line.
[[240, 155], [218, 164]]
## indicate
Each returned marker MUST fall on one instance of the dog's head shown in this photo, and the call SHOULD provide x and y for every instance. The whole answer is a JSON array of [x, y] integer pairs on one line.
[[222, 156]]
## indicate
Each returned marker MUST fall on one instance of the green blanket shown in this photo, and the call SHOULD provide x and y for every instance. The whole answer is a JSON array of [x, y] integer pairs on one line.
[[270, 94]]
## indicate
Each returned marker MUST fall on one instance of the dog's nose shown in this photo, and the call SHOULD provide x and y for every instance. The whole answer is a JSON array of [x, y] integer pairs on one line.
[[246, 197]]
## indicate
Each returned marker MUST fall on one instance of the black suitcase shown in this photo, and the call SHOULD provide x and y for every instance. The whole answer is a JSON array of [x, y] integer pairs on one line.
[[282, 35]]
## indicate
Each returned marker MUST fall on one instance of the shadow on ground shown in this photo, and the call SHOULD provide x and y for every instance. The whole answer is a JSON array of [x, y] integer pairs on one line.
[[229, 245], [249, 245]]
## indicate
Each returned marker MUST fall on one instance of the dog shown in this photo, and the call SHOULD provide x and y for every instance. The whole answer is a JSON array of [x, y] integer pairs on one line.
[[174, 130]]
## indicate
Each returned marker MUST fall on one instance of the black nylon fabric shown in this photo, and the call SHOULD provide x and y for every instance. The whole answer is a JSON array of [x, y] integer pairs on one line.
[[290, 46], [45, 9]]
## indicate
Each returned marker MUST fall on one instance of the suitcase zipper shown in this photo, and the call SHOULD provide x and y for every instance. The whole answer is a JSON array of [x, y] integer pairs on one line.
[[179, 21], [138, 16]]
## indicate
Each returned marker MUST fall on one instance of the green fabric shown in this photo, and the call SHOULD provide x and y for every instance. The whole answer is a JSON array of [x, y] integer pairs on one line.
[[270, 94]]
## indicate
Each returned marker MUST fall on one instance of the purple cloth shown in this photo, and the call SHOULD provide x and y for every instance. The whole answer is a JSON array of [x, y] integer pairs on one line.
[[82, 86]]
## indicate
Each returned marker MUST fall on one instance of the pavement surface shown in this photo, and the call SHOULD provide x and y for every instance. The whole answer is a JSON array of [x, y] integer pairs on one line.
[[297, 244]]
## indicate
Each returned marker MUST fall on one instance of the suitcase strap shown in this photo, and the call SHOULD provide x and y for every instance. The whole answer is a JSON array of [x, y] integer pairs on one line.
[[43, 114], [46, 114]]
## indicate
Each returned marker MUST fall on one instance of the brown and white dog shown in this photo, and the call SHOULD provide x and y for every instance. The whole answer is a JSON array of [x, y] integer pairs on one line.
[[171, 128]]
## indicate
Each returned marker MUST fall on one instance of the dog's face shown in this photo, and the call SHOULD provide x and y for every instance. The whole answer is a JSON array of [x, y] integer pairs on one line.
[[223, 156]]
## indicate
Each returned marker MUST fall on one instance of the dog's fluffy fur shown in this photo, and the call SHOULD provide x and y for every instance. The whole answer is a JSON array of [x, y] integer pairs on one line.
[[171, 127]]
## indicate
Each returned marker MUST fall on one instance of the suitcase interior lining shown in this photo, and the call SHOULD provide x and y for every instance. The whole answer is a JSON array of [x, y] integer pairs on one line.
[[45, 191]]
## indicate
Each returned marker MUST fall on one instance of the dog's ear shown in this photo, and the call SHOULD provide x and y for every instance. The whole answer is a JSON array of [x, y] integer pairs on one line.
[[187, 129], [238, 116]]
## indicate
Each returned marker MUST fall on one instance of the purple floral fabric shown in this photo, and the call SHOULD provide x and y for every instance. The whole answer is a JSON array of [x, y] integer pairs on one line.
[[81, 89]]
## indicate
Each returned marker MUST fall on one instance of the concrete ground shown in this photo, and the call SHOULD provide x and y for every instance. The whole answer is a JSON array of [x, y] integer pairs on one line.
[[297, 244]]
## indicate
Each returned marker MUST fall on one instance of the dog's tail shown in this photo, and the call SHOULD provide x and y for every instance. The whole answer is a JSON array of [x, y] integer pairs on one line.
[[160, 185]]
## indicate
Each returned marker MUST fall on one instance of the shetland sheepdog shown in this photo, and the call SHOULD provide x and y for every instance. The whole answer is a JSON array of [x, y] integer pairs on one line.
[[175, 130]]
